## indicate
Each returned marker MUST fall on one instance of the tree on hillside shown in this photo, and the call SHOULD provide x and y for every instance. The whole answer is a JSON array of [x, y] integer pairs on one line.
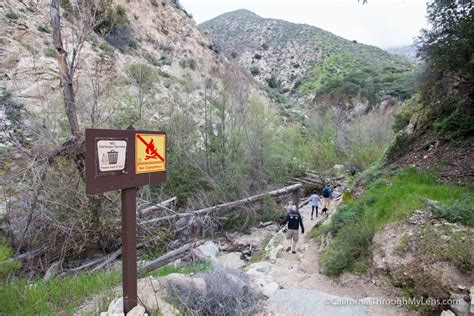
[[448, 49], [85, 17]]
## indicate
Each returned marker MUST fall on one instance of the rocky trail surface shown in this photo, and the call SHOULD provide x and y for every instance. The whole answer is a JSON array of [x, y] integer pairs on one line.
[[303, 290]]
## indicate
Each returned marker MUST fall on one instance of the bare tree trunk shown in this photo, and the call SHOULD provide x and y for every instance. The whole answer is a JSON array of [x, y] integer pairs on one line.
[[66, 71]]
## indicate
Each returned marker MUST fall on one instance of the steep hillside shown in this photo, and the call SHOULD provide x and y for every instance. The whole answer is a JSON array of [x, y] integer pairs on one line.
[[157, 34], [302, 61]]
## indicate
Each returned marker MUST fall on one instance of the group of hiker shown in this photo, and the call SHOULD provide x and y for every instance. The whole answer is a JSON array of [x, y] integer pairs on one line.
[[295, 221]]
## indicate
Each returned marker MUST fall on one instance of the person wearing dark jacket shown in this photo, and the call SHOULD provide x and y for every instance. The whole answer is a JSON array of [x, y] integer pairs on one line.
[[294, 220]]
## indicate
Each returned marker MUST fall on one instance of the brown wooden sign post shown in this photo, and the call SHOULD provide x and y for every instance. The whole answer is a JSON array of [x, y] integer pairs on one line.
[[125, 160]]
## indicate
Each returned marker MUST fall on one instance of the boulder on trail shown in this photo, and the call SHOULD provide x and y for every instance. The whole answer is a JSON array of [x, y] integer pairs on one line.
[[210, 249]]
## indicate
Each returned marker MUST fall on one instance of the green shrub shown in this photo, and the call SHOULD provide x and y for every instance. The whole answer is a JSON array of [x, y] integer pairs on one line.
[[459, 211], [272, 82], [352, 244], [106, 49], [168, 82], [12, 15], [192, 63], [154, 3], [50, 52], [7, 264], [66, 5], [254, 71], [403, 117], [151, 59], [44, 28], [189, 62], [165, 60], [2, 41], [397, 147], [133, 44]]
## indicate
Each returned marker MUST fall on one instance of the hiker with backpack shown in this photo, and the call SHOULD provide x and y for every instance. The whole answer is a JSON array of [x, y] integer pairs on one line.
[[294, 220], [315, 199], [327, 198]]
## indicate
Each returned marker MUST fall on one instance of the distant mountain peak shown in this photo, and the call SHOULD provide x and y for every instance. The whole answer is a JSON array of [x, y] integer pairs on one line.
[[301, 61], [240, 14]]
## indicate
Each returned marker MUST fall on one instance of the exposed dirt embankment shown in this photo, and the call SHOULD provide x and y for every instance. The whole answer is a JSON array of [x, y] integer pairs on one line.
[[426, 256]]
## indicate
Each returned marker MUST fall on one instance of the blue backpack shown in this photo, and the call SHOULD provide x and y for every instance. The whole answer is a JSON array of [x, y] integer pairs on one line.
[[326, 192]]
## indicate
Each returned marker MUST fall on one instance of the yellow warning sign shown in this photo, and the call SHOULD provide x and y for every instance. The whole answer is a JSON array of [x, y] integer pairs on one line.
[[150, 153]]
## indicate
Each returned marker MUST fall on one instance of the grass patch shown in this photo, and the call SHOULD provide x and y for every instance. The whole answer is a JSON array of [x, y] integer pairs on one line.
[[185, 269], [7, 265], [56, 296], [387, 199], [460, 211]]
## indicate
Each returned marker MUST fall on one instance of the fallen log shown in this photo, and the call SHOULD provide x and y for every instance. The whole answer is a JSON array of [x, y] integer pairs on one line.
[[302, 181], [262, 225], [167, 258], [97, 263], [238, 203], [165, 205]]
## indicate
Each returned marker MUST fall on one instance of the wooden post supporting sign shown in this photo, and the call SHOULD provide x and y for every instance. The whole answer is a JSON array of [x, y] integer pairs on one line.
[[125, 160]]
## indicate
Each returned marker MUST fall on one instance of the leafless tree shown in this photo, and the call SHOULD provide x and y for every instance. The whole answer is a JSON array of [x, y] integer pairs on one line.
[[85, 20]]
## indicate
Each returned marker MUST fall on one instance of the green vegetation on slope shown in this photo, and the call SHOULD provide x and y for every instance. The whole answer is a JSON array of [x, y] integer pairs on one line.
[[355, 70], [386, 200], [324, 64]]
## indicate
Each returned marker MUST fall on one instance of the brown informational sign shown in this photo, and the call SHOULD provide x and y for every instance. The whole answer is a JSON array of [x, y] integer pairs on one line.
[[125, 160], [121, 159]]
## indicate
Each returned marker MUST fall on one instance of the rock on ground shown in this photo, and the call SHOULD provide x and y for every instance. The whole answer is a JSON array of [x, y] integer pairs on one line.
[[210, 249], [261, 266], [263, 282], [137, 311], [231, 260]]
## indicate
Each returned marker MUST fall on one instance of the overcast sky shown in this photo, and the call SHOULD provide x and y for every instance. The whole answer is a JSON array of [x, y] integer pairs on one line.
[[383, 23]]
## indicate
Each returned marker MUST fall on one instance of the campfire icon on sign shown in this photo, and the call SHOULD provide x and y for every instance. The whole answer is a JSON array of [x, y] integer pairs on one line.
[[151, 151]]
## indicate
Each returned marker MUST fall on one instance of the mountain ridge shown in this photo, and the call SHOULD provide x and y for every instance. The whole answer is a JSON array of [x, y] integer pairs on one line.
[[301, 61]]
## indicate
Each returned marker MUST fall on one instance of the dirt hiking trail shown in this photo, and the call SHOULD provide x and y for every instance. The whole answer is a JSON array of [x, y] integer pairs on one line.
[[304, 291]]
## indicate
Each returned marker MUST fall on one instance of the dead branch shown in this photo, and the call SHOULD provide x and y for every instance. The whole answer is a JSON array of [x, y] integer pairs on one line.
[[238, 203], [167, 258], [165, 205]]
